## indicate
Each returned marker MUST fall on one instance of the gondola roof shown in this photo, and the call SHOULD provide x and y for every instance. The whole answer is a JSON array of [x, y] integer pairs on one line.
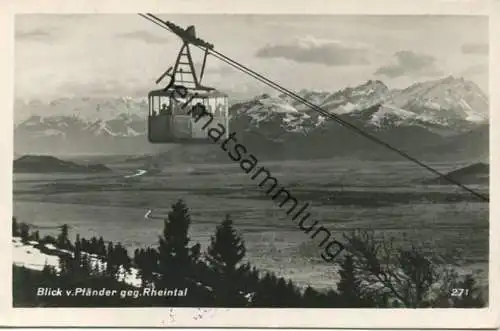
[[205, 93]]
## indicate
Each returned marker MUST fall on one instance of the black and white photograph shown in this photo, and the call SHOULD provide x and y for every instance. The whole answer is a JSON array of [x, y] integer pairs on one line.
[[226, 160]]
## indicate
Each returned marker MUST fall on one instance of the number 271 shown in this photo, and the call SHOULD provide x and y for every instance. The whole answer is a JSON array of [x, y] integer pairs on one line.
[[458, 292]]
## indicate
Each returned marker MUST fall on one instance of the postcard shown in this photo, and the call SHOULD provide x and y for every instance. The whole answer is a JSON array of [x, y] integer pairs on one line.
[[269, 164]]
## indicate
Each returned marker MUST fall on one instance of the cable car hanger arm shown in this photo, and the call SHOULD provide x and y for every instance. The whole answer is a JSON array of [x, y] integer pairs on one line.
[[187, 35]]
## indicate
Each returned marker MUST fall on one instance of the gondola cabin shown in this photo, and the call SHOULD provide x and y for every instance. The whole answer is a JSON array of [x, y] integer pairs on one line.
[[175, 115], [185, 110]]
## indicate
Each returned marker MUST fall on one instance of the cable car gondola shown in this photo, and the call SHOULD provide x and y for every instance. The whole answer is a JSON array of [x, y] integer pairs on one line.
[[171, 117]]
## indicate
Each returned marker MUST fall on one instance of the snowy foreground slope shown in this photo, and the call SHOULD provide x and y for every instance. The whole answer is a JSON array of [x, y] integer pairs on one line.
[[29, 256]]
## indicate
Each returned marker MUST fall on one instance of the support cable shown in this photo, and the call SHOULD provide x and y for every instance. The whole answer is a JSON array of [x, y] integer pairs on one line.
[[276, 86]]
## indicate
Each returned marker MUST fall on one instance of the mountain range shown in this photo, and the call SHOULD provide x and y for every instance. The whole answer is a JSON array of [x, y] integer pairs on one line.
[[444, 118]]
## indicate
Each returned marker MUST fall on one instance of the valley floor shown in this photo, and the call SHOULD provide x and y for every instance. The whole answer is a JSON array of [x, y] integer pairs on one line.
[[344, 196]]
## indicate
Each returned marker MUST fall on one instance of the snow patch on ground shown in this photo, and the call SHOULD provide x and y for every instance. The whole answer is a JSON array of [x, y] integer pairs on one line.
[[26, 255]]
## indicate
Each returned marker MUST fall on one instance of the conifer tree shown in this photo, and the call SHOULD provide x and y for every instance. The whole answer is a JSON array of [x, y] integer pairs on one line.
[[24, 232], [310, 298], [48, 271], [102, 247], [86, 265], [84, 245], [226, 249], [109, 250], [94, 246], [348, 286], [121, 257], [294, 293], [249, 277], [78, 249], [68, 266], [265, 294], [175, 258], [137, 259], [224, 255], [62, 239], [117, 259], [147, 263], [111, 267]]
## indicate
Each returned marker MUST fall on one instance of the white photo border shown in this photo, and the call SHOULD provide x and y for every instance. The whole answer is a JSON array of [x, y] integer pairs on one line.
[[245, 317]]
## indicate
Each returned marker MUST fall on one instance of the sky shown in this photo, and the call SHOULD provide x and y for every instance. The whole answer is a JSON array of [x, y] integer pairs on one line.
[[123, 54]]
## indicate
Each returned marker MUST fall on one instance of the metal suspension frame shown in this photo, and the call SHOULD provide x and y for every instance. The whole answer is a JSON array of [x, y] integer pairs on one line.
[[184, 57]]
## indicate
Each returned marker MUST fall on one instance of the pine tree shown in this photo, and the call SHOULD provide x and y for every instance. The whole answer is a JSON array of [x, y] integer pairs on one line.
[[78, 250], [310, 298], [224, 255], [102, 248], [226, 249], [62, 239], [138, 254], [84, 245], [94, 246], [349, 286], [117, 259], [268, 291], [24, 232], [294, 293], [109, 250], [282, 293], [121, 257], [111, 267], [68, 266], [175, 258], [48, 271], [138, 260], [147, 263], [86, 265], [152, 260]]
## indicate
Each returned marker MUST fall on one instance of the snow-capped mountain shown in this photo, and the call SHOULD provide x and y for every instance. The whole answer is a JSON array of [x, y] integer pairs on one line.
[[66, 126], [265, 113], [125, 133], [443, 101], [373, 107], [345, 101], [449, 103], [419, 114], [88, 109]]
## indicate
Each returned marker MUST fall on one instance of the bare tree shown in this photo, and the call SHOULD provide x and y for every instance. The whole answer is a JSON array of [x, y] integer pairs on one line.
[[406, 276]]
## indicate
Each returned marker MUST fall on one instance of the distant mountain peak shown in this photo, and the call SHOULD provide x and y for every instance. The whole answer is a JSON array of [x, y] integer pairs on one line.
[[443, 100], [374, 82]]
